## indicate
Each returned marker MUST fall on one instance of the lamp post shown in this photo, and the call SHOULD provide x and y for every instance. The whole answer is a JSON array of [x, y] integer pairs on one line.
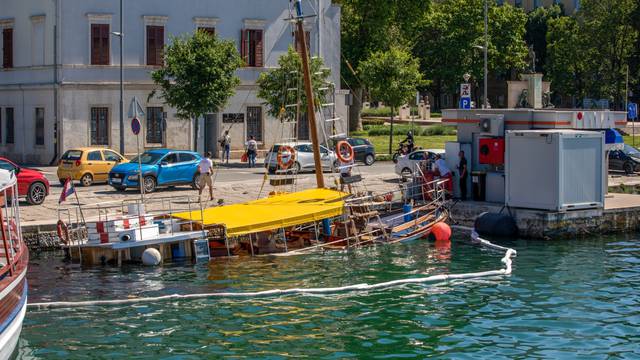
[[120, 35], [486, 49]]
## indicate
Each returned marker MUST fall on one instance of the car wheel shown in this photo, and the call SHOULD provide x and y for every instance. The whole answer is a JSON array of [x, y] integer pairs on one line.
[[149, 184], [37, 193], [86, 180], [395, 158], [406, 173], [296, 168], [195, 183], [369, 159], [628, 168]]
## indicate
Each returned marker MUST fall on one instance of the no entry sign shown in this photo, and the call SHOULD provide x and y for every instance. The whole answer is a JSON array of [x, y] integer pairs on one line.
[[135, 126]]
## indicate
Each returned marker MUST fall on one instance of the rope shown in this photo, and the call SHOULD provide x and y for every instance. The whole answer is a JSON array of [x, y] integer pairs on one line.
[[506, 270]]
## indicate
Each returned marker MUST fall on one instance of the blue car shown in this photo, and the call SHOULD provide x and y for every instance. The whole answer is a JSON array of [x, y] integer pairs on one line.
[[161, 167]]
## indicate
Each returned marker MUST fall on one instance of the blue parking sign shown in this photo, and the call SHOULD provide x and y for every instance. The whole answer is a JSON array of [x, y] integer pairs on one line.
[[465, 103], [632, 111]]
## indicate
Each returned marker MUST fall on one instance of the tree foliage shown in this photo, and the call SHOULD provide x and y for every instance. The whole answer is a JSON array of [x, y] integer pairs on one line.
[[537, 27], [451, 32], [566, 64], [274, 84], [199, 74], [391, 76]]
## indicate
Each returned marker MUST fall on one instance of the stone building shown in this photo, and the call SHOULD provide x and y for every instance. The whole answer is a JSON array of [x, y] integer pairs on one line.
[[59, 76]]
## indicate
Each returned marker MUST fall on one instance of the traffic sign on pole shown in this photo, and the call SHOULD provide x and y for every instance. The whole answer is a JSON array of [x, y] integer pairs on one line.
[[465, 90], [632, 111], [465, 103], [135, 126], [135, 109]]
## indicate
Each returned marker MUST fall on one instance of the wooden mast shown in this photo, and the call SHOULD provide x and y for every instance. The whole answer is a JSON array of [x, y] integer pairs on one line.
[[308, 88]]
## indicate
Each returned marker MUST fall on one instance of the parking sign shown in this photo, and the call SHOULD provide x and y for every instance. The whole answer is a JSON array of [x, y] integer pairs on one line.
[[632, 111]]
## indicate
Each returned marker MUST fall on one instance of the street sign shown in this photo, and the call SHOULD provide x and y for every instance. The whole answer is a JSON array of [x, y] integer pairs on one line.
[[632, 111], [135, 126], [135, 109], [465, 90], [465, 103]]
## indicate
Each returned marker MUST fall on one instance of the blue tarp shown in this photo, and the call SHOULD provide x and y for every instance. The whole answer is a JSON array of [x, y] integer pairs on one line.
[[612, 136]]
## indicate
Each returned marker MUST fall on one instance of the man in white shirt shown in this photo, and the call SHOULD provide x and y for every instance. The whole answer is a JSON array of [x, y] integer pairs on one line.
[[442, 167], [206, 170], [252, 151]]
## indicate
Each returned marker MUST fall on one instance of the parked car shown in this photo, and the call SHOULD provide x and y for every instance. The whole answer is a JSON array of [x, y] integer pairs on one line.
[[160, 168], [627, 159], [304, 157], [363, 150], [32, 184], [88, 165], [406, 164]]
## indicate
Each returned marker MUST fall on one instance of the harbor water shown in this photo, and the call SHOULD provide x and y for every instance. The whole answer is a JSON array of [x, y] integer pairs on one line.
[[565, 299]]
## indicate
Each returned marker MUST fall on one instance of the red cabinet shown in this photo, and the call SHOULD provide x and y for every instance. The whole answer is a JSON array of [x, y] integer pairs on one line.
[[491, 151]]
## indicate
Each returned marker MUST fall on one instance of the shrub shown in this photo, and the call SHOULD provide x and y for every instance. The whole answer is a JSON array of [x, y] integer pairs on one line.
[[434, 130]]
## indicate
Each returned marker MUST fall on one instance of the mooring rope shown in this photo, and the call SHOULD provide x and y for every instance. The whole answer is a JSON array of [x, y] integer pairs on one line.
[[506, 270]]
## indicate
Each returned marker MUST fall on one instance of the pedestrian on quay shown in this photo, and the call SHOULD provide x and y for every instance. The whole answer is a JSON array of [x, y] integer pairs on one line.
[[462, 173], [206, 171], [252, 151], [225, 143]]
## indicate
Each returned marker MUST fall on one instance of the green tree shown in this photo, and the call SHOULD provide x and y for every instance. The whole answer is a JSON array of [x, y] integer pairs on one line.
[[567, 62], [537, 27], [373, 25], [392, 77], [273, 85], [199, 74], [451, 33]]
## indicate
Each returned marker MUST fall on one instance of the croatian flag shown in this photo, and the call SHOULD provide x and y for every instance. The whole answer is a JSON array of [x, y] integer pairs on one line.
[[67, 190]]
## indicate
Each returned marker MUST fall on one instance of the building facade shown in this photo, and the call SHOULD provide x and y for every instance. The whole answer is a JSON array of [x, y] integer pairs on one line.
[[59, 80]]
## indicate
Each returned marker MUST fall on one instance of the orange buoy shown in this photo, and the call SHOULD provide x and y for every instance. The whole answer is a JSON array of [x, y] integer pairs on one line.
[[440, 232]]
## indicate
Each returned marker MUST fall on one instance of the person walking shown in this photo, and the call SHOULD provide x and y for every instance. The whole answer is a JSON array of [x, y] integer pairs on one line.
[[225, 143], [252, 151], [206, 170], [462, 173]]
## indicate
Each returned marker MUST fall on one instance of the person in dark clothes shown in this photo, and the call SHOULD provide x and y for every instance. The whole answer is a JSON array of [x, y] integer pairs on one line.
[[463, 172]]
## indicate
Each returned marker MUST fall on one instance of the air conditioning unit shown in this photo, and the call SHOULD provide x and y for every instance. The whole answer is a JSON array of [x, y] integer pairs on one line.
[[492, 125]]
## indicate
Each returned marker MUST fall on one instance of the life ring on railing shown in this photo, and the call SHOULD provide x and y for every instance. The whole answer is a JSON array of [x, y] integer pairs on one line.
[[292, 156], [344, 147], [63, 232]]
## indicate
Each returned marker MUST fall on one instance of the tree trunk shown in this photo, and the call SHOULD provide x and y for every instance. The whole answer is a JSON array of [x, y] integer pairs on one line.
[[355, 122], [391, 134], [196, 128]]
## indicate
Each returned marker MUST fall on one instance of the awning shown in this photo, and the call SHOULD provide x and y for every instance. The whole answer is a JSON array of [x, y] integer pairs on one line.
[[613, 140], [273, 212]]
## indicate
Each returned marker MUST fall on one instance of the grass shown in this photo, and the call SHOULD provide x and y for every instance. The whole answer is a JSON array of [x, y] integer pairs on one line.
[[629, 140], [381, 142]]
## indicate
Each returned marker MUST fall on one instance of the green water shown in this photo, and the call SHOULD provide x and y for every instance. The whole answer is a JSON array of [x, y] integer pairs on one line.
[[565, 299]]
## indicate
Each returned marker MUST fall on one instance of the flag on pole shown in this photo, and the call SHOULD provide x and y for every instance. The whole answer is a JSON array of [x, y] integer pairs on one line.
[[67, 190]]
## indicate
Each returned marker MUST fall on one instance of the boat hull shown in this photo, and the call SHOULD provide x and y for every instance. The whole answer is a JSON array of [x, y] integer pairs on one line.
[[13, 307]]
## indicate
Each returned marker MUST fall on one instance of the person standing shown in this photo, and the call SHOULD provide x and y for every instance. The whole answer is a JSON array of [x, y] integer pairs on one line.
[[206, 170], [463, 173], [252, 151], [225, 143]]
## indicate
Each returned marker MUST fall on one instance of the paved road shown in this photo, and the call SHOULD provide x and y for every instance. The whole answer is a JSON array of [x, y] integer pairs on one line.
[[234, 183]]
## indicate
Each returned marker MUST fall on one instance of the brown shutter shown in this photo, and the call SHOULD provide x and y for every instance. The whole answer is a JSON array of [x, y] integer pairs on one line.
[[105, 51], [95, 44], [7, 48], [151, 46], [243, 46], [259, 49], [159, 45]]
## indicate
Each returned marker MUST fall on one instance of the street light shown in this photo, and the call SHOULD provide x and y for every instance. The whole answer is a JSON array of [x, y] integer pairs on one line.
[[120, 35], [485, 49]]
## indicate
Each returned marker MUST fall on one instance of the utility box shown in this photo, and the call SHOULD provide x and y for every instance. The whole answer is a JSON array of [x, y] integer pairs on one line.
[[491, 151], [555, 170]]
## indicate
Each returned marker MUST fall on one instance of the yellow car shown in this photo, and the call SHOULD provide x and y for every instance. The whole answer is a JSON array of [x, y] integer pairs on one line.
[[88, 165]]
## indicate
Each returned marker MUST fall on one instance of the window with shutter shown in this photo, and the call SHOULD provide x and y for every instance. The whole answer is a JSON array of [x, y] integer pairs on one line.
[[100, 126], [207, 30], [155, 45], [252, 48], [100, 54], [296, 36], [39, 126], [155, 125], [7, 48]]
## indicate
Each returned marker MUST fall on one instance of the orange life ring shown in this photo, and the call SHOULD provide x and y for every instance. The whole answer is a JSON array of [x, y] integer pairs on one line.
[[63, 232], [292, 157], [344, 146]]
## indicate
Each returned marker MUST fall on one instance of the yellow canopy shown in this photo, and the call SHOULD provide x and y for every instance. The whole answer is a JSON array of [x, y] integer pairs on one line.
[[273, 212]]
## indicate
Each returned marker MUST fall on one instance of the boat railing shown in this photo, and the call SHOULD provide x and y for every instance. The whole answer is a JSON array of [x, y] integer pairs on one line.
[[13, 247], [128, 209]]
